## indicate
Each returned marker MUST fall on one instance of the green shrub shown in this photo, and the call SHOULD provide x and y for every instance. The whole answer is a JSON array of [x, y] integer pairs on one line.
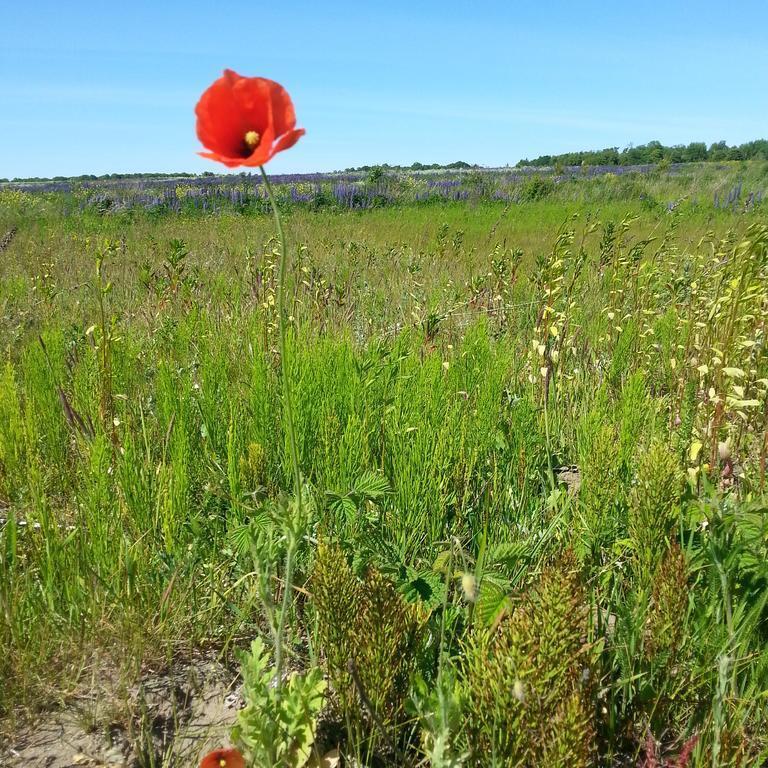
[[528, 682], [654, 506], [277, 726], [537, 188], [368, 635]]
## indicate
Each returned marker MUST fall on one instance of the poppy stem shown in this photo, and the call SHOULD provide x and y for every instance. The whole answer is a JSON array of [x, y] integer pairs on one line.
[[290, 428]]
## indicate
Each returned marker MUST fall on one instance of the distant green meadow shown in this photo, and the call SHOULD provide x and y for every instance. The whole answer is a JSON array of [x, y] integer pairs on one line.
[[531, 415], [727, 185]]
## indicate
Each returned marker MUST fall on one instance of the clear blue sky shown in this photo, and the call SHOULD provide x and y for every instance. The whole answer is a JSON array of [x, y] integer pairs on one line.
[[105, 87]]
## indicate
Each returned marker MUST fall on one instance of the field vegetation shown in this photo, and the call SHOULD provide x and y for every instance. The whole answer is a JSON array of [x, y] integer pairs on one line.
[[531, 423]]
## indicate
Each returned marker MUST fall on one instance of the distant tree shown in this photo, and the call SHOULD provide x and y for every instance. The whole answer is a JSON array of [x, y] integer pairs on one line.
[[756, 150], [674, 153], [655, 152], [695, 152], [718, 151]]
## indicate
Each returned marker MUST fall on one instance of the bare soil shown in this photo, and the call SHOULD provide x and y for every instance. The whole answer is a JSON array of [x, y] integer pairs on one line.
[[168, 718]]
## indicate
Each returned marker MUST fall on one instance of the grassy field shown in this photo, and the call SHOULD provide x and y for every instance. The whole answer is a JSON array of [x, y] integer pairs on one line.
[[533, 439]]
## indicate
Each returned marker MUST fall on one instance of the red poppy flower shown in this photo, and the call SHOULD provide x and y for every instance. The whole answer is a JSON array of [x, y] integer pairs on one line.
[[223, 758], [245, 120]]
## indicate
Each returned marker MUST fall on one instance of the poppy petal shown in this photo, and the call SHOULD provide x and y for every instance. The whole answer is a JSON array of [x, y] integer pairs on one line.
[[252, 95], [288, 140], [230, 162], [220, 125], [231, 76], [283, 113]]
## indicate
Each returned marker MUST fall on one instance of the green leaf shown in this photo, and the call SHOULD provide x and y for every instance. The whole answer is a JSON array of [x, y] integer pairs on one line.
[[508, 554], [427, 587], [491, 599], [371, 486]]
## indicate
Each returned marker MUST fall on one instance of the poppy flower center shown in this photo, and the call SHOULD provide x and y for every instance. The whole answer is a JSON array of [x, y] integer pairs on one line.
[[252, 139]]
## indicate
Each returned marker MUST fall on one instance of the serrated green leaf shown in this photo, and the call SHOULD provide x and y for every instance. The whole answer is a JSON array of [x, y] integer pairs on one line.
[[491, 599]]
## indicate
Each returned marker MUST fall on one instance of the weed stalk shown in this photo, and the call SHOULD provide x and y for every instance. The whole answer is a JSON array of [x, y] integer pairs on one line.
[[288, 398]]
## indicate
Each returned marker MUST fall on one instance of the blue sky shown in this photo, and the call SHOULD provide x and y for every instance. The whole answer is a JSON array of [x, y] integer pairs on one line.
[[108, 87]]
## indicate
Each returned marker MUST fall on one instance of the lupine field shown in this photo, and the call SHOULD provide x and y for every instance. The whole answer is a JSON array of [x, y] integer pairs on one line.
[[531, 412]]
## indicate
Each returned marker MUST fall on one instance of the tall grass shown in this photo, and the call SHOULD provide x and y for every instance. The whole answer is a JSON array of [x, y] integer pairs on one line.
[[442, 379]]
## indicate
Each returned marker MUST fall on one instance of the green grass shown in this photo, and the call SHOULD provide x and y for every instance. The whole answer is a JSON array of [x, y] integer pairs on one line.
[[442, 378]]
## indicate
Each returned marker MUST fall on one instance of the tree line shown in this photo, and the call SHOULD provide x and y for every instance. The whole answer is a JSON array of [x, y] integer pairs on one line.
[[656, 152]]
